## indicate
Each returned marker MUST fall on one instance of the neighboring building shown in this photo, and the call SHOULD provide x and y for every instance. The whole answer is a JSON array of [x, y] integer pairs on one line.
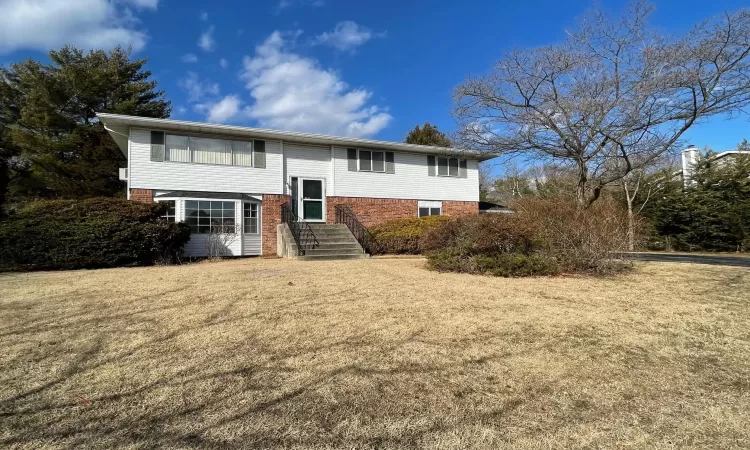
[[236, 175], [691, 156]]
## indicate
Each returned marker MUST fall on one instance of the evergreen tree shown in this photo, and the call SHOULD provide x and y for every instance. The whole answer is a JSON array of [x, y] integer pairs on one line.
[[428, 135], [51, 141], [712, 212]]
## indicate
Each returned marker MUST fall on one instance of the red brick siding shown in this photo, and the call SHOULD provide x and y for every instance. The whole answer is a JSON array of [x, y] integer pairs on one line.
[[270, 217], [373, 211], [456, 209], [142, 195]]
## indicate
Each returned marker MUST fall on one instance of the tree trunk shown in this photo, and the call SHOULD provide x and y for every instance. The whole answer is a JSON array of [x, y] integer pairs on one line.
[[631, 227]]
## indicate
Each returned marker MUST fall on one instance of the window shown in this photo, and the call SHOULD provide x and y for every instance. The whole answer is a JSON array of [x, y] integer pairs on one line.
[[177, 149], [212, 151], [170, 214], [427, 208], [251, 218], [365, 161], [370, 161], [242, 153], [449, 167], [205, 216]]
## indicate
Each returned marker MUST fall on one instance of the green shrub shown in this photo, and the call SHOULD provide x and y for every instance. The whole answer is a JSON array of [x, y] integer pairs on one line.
[[500, 265], [92, 233], [402, 236]]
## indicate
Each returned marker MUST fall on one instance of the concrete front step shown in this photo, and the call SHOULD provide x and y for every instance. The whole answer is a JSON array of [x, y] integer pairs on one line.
[[332, 257], [338, 245], [333, 251]]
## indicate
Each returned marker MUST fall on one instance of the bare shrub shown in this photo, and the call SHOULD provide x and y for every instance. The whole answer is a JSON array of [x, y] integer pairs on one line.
[[220, 238], [545, 236]]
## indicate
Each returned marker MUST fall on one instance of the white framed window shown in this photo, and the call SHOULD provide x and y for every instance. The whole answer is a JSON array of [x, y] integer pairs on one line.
[[445, 166], [371, 161], [171, 214], [429, 208], [202, 150], [250, 214], [205, 216]]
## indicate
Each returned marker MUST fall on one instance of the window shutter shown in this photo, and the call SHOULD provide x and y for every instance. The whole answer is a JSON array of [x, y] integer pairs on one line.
[[259, 154], [390, 163], [462, 169], [431, 166], [351, 156], [157, 146]]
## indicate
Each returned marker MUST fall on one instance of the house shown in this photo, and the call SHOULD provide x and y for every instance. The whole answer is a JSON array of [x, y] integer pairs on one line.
[[244, 177], [691, 156]]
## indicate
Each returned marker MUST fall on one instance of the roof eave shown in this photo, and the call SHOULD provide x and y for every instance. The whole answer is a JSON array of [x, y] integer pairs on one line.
[[310, 138]]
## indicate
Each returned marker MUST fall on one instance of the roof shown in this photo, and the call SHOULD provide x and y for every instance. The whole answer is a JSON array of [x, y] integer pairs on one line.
[[489, 207], [198, 194], [118, 126]]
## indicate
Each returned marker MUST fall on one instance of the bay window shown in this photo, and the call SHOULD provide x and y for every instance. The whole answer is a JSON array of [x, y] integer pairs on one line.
[[204, 216]]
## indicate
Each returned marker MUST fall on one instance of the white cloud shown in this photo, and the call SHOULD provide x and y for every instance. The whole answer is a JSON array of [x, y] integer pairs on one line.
[[346, 36], [196, 89], [223, 63], [46, 24], [225, 110], [207, 41], [204, 16], [145, 4], [189, 58], [181, 110], [292, 92]]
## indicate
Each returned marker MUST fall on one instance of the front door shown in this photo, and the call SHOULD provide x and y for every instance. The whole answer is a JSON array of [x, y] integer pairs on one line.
[[312, 200]]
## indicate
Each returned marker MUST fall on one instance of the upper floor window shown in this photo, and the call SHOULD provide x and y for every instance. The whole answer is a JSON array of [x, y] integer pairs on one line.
[[371, 161], [176, 148], [445, 166]]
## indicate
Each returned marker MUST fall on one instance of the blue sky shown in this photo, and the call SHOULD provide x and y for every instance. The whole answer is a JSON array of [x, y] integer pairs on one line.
[[371, 69]]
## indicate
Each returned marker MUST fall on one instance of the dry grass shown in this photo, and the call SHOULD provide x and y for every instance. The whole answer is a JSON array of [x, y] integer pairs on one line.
[[378, 353]]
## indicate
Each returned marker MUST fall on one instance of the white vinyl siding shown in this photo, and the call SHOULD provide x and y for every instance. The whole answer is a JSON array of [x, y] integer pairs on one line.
[[168, 176], [309, 161], [410, 180]]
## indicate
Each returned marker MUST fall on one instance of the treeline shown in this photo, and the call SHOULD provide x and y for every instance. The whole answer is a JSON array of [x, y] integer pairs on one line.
[[710, 212], [51, 144]]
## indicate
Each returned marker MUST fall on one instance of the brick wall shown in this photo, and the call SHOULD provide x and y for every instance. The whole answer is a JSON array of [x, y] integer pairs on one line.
[[457, 209], [373, 211], [270, 217], [142, 195]]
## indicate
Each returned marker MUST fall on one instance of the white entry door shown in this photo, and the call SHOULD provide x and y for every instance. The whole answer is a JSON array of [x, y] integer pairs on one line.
[[312, 200]]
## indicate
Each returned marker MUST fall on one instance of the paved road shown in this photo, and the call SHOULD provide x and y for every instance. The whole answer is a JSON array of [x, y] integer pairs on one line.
[[718, 260]]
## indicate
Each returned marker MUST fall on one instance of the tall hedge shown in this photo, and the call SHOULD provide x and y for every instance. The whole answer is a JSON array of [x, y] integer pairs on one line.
[[93, 233]]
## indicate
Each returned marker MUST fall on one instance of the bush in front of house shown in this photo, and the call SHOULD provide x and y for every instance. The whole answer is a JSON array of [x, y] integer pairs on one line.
[[403, 236], [543, 237], [92, 233]]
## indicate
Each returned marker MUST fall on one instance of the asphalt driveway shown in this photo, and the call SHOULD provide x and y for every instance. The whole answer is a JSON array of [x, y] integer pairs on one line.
[[718, 260]]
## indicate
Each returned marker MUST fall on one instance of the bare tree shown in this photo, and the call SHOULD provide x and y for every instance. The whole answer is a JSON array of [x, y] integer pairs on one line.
[[614, 90]]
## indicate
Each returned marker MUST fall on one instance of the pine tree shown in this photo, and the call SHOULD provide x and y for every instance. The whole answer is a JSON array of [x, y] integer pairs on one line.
[[428, 135], [48, 114]]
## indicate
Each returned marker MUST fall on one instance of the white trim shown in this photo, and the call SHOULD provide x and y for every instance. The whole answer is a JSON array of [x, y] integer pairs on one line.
[[300, 204], [283, 168], [333, 171], [130, 141]]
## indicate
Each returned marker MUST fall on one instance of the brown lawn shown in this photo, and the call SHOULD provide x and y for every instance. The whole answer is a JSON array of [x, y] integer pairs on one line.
[[378, 353]]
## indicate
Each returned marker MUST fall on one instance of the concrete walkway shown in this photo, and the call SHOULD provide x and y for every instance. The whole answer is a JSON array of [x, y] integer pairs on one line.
[[718, 260]]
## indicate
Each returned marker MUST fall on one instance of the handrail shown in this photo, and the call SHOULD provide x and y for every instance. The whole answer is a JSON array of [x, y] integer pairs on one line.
[[301, 230], [346, 216]]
